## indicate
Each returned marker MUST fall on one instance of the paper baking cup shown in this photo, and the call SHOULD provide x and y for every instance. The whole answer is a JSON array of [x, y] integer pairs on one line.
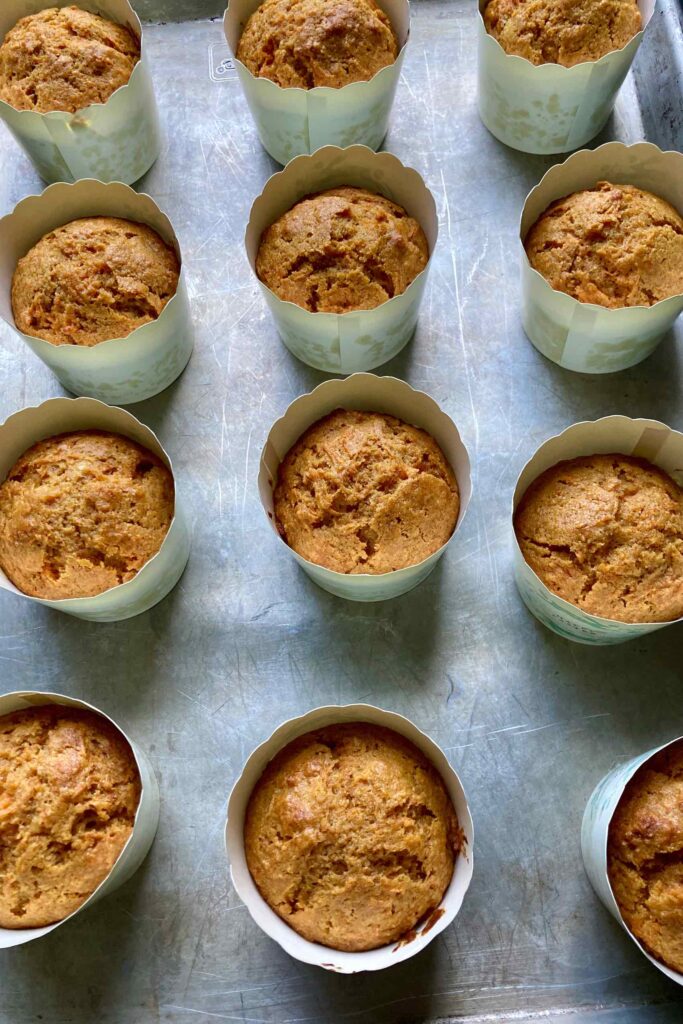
[[114, 141], [161, 573], [121, 370], [366, 338], [548, 108], [375, 394], [144, 828], [269, 921], [292, 121], [645, 439], [597, 817], [579, 335]]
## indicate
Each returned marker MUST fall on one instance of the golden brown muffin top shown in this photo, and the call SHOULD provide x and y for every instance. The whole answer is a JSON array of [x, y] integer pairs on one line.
[[307, 43], [363, 492], [340, 250], [65, 59], [82, 512], [645, 855], [92, 280], [605, 532], [351, 837], [612, 245], [69, 793], [562, 31]]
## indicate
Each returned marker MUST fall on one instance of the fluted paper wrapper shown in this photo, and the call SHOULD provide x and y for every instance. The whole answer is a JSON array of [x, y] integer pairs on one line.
[[268, 920], [597, 817], [118, 140], [144, 828], [292, 121], [361, 339], [645, 439], [579, 335], [548, 108], [120, 370], [375, 394], [161, 573]]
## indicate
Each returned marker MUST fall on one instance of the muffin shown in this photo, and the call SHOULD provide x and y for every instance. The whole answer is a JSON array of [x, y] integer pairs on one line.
[[611, 245], [351, 837], [70, 791], [340, 250], [363, 492], [82, 512], [564, 32], [65, 59], [92, 280], [307, 43], [605, 532], [645, 856]]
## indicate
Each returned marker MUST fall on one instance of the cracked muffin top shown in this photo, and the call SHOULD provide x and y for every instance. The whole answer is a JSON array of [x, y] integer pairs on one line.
[[70, 792], [605, 532], [363, 492], [340, 250], [564, 32], [612, 245], [307, 43], [92, 280], [82, 512], [65, 59], [645, 855], [351, 836]]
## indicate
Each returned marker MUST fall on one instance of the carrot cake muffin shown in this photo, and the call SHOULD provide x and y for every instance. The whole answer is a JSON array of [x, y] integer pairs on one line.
[[363, 492], [65, 59], [612, 245], [307, 43], [340, 250], [82, 512], [562, 31], [351, 837], [91, 280], [605, 532], [645, 856], [70, 791]]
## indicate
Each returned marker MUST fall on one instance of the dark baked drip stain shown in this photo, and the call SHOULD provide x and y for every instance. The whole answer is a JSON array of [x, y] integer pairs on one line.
[[421, 928]]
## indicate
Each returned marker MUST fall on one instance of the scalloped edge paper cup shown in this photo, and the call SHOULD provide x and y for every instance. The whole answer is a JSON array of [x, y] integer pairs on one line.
[[159, 575], [579, 335], [375, 394], [645, 439], [268, 920], [361, 339], [292, 121], [120, 370], [144, 827], [548, 108], [118, 140], [597, 818]]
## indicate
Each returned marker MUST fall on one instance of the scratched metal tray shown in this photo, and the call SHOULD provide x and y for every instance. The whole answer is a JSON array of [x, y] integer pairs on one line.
[[529, 720]]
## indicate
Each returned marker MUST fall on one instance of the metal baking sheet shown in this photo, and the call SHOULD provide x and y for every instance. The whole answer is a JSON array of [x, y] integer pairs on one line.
[[530, 721]]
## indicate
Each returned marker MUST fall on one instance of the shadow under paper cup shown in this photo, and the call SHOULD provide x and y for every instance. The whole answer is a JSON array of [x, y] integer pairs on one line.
[[144, 828], [374, 394], [292, 121], [361, 339], [120, 370], [269, 921], [644, 439], [157, 576], [117, 140]]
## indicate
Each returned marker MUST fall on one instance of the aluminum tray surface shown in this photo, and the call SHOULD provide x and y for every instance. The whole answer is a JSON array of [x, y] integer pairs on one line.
[[530, 721]]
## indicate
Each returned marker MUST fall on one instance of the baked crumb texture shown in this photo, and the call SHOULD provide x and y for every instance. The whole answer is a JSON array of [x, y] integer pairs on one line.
[[606, 533], [69, 792], [351, 836], [362, 492]]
